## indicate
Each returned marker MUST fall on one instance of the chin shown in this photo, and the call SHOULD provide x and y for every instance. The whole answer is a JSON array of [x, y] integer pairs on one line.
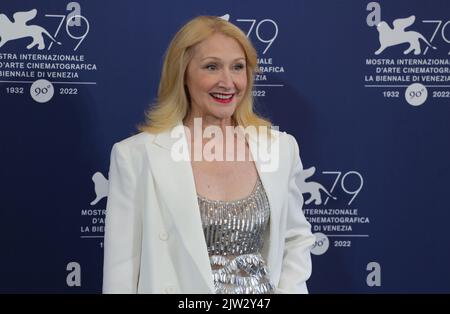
[[225, 113]]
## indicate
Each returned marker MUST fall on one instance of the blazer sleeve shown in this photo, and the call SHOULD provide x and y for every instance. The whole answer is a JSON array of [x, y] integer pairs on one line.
[[122, 242], [296, 267]]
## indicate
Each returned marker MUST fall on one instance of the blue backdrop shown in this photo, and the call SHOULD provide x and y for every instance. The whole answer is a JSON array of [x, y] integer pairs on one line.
[[372, 126]]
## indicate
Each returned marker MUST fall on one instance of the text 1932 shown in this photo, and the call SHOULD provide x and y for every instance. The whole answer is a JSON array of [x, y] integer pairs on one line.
[[14, 90]]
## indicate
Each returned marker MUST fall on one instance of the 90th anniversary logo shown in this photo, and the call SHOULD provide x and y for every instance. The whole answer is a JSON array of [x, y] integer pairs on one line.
[[420, 68], [40, 61]]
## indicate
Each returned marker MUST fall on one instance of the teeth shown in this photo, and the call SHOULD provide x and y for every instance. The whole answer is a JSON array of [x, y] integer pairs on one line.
[[222, 96]]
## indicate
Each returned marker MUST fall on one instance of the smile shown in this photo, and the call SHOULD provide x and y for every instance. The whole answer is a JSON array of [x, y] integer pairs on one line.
[[222, 98]]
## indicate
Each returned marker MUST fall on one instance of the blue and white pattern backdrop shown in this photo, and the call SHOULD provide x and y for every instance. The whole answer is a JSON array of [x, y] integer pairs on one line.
[[363, 86]]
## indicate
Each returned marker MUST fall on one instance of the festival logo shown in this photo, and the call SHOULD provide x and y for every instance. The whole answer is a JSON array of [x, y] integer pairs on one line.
[[39, 53], [410, 60], [331, 210]]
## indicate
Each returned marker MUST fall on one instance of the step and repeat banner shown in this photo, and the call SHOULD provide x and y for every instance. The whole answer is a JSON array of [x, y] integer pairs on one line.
[[364, 86]]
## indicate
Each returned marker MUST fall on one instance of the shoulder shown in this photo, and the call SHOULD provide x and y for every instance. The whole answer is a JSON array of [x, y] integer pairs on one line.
[[278, 152], [136, 140], [289, 151], [132, 150], [134, 143], [287, 143]]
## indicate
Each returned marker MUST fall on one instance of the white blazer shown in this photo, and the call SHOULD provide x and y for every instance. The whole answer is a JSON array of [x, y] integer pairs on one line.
[[154, 241]]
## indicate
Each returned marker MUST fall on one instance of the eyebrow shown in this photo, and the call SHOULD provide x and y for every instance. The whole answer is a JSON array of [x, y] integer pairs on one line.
[[215, 58]]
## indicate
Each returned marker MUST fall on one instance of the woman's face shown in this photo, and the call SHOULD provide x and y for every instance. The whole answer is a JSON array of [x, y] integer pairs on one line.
[[216, 77]]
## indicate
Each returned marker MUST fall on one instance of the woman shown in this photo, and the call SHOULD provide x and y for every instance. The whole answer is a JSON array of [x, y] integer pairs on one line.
[[210, 221]]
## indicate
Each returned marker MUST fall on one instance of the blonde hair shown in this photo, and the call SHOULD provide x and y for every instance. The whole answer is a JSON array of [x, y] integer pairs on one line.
[[172, 104]]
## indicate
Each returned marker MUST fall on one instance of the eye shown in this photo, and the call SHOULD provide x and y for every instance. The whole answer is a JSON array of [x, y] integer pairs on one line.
[[239, 67], [211, 67]]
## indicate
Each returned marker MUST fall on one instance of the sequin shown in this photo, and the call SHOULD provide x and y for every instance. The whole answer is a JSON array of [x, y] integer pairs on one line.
[[234, 234]]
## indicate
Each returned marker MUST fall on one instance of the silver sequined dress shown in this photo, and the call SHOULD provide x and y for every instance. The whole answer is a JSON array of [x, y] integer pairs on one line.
[[234, 234]]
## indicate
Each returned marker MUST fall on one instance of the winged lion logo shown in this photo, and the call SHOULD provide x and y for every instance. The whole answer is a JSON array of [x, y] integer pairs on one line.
[[19, 29], [395, 36]]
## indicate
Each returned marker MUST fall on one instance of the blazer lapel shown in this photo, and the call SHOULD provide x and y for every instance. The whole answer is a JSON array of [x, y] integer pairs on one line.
[[271, 187], [176, 184]]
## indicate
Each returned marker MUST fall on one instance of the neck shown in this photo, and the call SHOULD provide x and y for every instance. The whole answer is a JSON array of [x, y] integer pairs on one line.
[[207, 121]]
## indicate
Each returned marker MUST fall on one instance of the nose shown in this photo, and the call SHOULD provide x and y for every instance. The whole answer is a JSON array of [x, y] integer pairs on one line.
[[226, 79]]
